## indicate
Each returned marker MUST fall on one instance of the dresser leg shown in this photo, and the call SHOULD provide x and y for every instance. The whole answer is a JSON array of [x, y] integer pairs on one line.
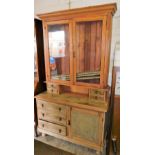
[[43, 134], [35, 130], [98, 152]]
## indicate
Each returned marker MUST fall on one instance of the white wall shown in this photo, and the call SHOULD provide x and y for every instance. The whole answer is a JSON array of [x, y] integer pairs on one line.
[[44, 6]]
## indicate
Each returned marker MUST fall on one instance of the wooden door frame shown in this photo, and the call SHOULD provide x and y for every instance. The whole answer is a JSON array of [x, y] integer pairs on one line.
[[46, 52], [103, 48]]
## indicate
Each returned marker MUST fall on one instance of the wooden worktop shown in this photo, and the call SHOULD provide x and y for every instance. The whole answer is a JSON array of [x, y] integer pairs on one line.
[[75, 100]]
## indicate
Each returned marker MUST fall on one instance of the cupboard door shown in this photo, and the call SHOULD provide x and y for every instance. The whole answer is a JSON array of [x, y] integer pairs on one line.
[[88, 47], [85, 125], [36, 78], [59, 53]]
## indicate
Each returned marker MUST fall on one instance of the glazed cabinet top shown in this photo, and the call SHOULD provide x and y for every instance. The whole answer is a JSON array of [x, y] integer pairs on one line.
[[77, 45]]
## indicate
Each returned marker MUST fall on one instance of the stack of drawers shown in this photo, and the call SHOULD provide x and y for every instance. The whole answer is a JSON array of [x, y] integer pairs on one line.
[[52, 117], [53, 88]]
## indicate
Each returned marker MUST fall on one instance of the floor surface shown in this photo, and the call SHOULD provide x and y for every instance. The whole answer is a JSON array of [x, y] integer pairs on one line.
[[49, 145], [44, 149], [65, 146]]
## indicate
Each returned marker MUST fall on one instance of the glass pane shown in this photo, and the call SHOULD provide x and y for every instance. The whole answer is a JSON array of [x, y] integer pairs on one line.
[[88, 58], [35, 58], [59, 52]]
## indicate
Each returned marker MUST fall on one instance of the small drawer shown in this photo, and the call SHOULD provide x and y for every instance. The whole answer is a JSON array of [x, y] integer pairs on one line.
[[52, 117], [53, 88], [58, 129], [54, 108], [99, 94]]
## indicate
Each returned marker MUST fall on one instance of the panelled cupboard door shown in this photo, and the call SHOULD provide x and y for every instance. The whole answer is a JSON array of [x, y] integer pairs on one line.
[[58, 51], [85, 126], [89, 43]]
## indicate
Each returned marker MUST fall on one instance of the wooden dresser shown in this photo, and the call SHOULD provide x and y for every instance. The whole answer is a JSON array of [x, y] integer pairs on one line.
[[75, 106]]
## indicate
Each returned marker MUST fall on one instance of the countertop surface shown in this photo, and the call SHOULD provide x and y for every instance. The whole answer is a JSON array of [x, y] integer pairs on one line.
[[76, 100]]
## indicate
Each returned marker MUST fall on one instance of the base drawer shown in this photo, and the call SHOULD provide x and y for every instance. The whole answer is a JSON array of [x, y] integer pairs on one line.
[[52, 117], [52, 107], [58, 129]]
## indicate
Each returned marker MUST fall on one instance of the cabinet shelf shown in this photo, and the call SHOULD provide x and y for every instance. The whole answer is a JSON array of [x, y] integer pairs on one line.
[[79, 76]]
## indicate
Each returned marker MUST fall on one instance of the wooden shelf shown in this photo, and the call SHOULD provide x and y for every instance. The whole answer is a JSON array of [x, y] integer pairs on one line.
[[79, 76]]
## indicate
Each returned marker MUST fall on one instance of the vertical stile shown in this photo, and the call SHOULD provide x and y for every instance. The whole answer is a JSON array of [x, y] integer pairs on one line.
[[71, 50], [103, 48], [74, 51], [107, 48], [46, 53], [93, 47]]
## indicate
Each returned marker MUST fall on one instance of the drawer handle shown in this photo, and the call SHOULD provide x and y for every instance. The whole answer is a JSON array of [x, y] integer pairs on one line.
[[42, 105], [43, 114], [59, 109], [60, 118], [43, 125], [59, 130]]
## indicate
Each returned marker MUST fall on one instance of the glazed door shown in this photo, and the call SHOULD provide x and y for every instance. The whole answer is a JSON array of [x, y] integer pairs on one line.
[[35, 59], [89, 49], [59, 52], [36, 77], [85, 126]]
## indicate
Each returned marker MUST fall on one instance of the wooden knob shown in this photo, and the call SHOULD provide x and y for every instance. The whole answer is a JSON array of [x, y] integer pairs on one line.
[[42, 105], [43, 114], [42, 125], [60, 118], [59, 109], [59, 130]]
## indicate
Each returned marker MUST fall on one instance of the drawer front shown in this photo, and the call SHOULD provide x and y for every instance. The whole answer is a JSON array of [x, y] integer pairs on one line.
[[58, 129], [57, 109], [52, 117], [53, 88]]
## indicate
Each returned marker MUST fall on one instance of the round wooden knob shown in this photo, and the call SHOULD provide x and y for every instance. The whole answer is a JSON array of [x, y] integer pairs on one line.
[[43, 114], [60, 118], [59, 130], [59, 109], [42, 105]]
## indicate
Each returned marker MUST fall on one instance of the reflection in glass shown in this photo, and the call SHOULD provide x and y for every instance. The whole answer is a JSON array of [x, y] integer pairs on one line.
[[35, 58], [59, 51]]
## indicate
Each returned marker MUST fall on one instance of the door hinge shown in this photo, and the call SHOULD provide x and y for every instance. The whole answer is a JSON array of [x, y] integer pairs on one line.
[[69, 123]]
